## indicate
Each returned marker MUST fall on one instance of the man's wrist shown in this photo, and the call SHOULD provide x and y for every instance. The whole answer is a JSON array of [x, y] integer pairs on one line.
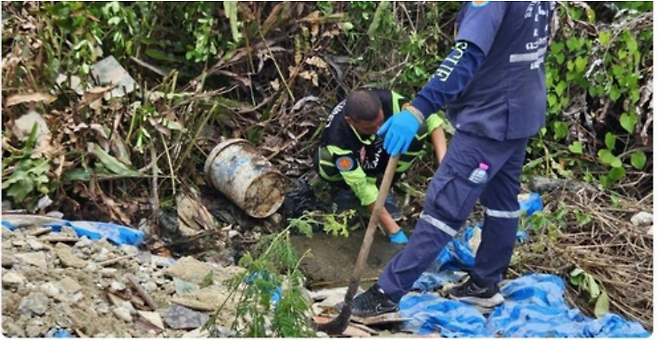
[[416, 113]]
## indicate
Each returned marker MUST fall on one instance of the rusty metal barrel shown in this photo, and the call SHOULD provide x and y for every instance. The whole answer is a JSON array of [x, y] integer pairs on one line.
[[247, 178]]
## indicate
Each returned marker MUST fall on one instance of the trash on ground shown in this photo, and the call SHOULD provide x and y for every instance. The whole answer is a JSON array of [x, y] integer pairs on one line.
[[115, 233], [109, 72]]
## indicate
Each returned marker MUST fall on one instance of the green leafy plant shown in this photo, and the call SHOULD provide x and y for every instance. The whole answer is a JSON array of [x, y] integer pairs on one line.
[[22, 175], [605, 66], [595, 290], [270, 292], [333, 224]]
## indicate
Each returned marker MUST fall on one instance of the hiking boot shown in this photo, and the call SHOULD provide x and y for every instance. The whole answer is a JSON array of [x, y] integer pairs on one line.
[[392, 209], [470, 292], [373, 302]]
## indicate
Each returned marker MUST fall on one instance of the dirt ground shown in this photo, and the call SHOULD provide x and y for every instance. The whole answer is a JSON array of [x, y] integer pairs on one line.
[[332, 258]]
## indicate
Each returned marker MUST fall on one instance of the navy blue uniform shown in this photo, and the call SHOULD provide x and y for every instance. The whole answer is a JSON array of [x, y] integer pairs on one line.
[[497, 66]]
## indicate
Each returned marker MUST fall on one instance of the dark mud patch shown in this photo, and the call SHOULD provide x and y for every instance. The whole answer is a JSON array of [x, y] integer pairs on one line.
[[332, 259]]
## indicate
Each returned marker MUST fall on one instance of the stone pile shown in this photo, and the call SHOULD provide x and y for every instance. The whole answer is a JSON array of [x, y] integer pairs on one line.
[[59, 282]]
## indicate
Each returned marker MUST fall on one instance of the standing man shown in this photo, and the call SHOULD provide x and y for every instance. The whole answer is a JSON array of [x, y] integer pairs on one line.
[[351, 157], [494, 83]]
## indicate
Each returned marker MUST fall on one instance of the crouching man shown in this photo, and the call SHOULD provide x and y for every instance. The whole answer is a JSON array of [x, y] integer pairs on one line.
[[351, 156]]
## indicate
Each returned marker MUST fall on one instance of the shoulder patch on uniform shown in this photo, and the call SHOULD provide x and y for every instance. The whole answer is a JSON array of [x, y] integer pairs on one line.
[[479, 3], [345, 163]]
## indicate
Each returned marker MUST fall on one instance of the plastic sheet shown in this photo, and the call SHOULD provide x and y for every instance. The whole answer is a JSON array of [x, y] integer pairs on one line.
[[534, 307], [534, 304], [114, 233]]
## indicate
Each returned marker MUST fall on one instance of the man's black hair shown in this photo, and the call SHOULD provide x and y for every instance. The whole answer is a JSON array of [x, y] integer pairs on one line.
[[362, 105]]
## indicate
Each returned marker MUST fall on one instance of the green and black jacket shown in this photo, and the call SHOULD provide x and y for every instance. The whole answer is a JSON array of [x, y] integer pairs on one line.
[[346, 156]]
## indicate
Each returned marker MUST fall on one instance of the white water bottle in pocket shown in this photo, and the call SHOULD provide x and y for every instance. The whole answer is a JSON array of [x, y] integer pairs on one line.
[[479, 174]]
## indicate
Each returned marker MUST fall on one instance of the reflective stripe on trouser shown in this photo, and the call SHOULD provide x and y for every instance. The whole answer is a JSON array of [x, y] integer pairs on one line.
[[450, 199]]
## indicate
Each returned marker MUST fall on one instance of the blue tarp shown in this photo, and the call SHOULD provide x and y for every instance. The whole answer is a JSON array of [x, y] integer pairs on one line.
[[534, 304], [534, 307], [114, 233]]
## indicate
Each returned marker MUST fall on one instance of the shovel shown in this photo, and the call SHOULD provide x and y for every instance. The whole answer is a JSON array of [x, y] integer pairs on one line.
[[338, 325]]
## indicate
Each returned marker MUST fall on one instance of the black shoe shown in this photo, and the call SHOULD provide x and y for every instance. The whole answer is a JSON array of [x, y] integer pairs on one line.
[[393, 209], [471, 293], [372, 303]]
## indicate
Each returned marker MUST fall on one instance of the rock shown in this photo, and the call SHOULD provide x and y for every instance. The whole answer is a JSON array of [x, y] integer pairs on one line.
[[115, 300], [102, 255], [169, 288], [127, 305], [18, 243], [51, 290], [34, 303], [189, 269], [11, 328], [128, 249], [77, 297], [117, 286], [84, 242], [144, 276], [35, 245], [109, 272], [10, 279], [69, 285], [150, 286], [194, 271], [197, 333], [642, 219], [37, 259], [161, 261], [8, 261], [206, 299], [67, 258], [92, 267], [184, 287], [35, 328], [23, 290], [10, 303], [152, 317], [103, 308], [179, 317], [123, 314], [24, 124], [225, 332], [68, 232]]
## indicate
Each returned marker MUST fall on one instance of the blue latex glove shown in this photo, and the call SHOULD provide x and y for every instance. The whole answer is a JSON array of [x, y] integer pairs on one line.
[[398, 238], [400, 130]]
